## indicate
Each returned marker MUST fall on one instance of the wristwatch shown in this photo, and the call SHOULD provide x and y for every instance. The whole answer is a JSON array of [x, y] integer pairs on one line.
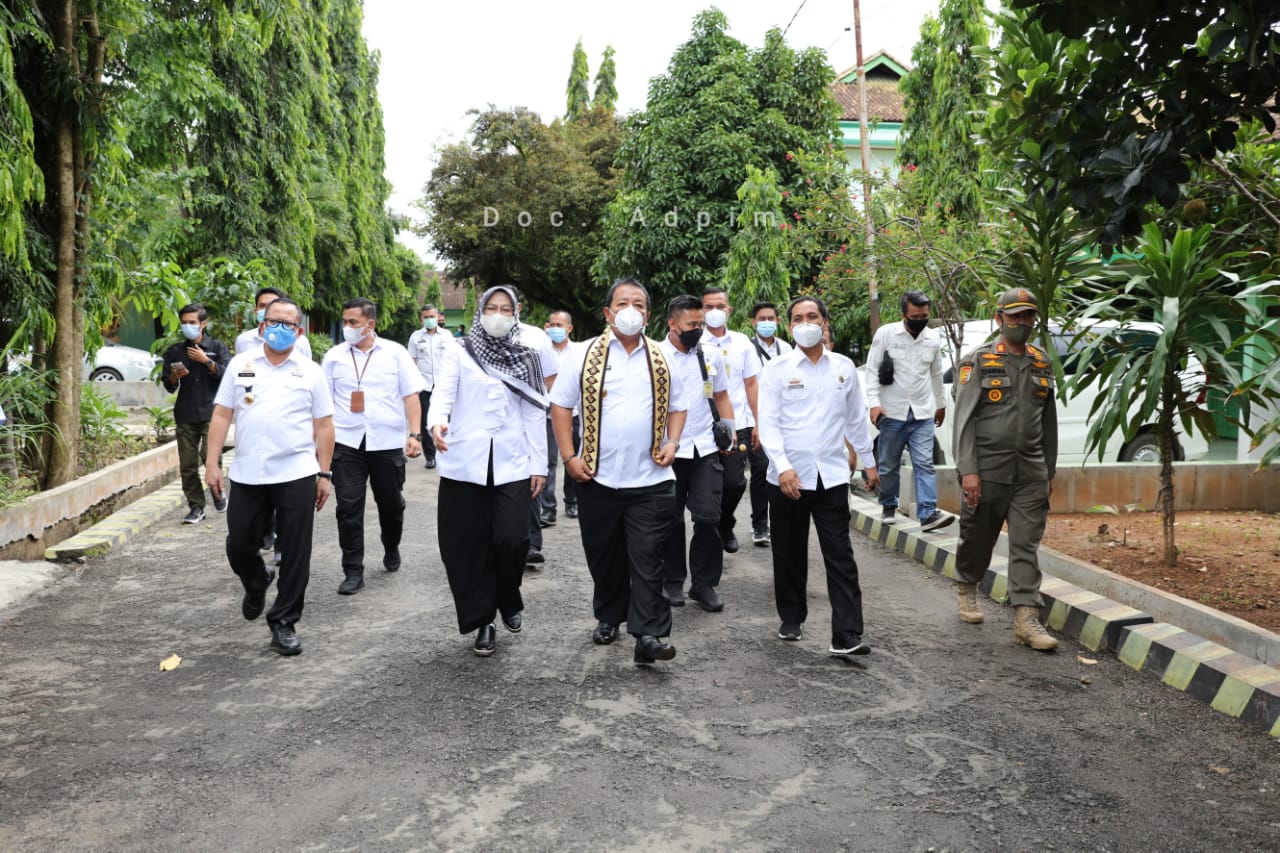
[[417, 436], [672, 441], [328, 475]]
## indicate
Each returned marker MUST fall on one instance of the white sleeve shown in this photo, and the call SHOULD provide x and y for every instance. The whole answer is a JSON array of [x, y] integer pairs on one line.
[[411, 381], [874, 356], [769, 425], [857, 424], [321, 399], [226, 396], [446, 391], [567, 390]]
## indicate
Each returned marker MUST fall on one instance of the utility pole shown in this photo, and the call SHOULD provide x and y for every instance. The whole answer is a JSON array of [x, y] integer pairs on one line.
[[873, 290]]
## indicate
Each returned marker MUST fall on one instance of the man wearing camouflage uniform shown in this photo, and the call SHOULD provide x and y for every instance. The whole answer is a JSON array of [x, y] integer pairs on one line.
[[1006, 449]]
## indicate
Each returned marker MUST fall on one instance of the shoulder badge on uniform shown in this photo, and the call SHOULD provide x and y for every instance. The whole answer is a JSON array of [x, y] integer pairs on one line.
[[966, 370], [1034, 353]]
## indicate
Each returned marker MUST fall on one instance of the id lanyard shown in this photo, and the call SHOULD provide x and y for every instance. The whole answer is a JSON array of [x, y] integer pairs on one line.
[[357, 396]]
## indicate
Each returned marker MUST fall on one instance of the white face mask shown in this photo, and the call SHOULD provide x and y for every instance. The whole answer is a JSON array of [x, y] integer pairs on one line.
[[715, 318], [807, 335], [628, 321], [354, 336], [497, 325]]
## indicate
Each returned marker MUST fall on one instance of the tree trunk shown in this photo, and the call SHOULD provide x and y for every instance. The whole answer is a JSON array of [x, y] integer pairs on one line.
[[1168, 441]]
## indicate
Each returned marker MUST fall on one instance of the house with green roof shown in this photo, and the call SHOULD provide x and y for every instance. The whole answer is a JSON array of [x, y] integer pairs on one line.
[[885, 111]]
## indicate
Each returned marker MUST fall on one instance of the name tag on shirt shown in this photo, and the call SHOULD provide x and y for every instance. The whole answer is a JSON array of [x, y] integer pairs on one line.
[[707, 390], [795, 385]]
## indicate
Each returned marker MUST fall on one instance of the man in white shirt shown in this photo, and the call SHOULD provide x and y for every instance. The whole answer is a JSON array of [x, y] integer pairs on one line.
[[633, 414], [741, 367], [698, 469], [810, 404], [251, 339], [904, 391], [559, 328], [284, 445], [375, 388], [426, 348], [767, 346]]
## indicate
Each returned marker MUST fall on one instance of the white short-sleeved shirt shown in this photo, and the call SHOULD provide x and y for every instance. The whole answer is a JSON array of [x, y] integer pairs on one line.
[[427, 351], [483, 415], [626, 420], [565, 357], [740, 364], [274, 406], [387, 375], [536, 339], [807, 412], [250, 340], [697, 426], [917, 372]]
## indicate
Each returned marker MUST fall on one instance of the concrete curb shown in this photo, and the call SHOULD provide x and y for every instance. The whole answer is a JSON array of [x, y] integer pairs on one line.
[[120, 526], [1232, 683]]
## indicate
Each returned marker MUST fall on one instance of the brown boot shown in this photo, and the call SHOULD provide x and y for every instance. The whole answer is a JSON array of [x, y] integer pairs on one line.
[[1028, 631], [970, 612]]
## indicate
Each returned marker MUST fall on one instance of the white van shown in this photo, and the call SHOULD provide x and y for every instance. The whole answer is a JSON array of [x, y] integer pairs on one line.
[[1073, 425]]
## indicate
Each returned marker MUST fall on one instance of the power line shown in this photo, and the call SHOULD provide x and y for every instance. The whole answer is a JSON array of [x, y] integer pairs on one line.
[[793, 17]]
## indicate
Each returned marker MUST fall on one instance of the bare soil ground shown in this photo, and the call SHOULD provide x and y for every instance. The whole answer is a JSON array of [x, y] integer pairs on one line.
[[1227, 560]]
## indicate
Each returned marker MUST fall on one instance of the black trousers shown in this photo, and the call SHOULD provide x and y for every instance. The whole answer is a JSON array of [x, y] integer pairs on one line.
[[548, 497], [759, 463], [735, 482], [699, 482], [829, 509], [622, 534], [249, 512], [353, 468], [193, 446], [483, 542], [428, 443]]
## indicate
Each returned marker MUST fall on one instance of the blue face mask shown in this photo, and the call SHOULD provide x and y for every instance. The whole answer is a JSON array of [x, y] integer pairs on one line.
[[766, 328], [191, 331], [557, 334], [430, 323], [279, 338]]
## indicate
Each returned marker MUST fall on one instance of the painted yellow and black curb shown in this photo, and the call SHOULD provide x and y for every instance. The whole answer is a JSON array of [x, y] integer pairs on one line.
[[1231, 683], [1234, 684], [1095, 622], [120, 526]]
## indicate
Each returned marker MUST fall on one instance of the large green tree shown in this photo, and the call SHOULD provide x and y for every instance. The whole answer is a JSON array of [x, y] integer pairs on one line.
[[577, 93], [606, 94], [720, 108]]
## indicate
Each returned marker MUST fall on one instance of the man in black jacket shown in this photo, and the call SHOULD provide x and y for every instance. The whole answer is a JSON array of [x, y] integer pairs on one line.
[[193, 367]]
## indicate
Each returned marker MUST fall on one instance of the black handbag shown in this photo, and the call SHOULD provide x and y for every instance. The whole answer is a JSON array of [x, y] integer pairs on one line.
[[719, 429]]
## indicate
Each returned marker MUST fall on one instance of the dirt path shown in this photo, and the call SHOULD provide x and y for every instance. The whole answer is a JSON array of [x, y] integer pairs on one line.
[[389, 734]]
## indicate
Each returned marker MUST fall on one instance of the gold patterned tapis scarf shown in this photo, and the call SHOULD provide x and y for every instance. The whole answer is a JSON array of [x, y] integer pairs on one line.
[[593, 373]]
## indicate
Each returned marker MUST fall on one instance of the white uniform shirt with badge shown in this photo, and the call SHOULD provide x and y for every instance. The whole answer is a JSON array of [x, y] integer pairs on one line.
[[386, 375], [274, 406], [250, 340], [536, 339], [917, 372], [697, 426], [626, 419], [482, 412], [427, 351], [564, 359], [779, 347], [807, 412], [740, 364]]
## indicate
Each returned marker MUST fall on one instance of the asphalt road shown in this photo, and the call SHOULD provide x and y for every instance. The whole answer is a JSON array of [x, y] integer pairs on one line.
[[387, 733]]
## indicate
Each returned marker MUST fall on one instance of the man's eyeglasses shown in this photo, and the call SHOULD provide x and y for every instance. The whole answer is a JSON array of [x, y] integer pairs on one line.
[[282, 324]]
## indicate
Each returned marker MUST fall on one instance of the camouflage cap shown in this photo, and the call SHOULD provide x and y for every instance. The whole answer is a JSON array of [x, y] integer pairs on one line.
[[1017, 300]]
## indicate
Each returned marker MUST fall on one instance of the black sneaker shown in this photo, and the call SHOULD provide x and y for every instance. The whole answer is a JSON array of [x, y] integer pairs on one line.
[[790, 631], [220, 501], [571, 510], [731, 543], [760, 538], [534, 557], [547, 518], [936, 521], [284, 640], [431, 462], [848, 643], [889, 514], [195, 516]]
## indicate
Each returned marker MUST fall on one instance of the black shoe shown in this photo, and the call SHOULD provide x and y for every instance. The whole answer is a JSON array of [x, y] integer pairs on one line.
[[760, 538], [252, 604], [790, 631], [848, 643], [651, 650], [936, 521], [571, 510], [604, 634], [486, 641], [535, 556], [351, 584], [195, 516], [284, 641], [674, 596], [431, 462], [220, 501], [514, 622], [730, 543], [889, 515], [391, 560], [708, 599], [268, 541], [547, 518]]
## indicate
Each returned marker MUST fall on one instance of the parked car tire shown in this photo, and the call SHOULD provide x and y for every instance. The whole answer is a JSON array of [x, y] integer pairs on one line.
[[1145, 447], [105, 374]]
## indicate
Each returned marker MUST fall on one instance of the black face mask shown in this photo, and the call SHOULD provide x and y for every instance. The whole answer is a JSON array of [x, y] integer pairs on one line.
[[689, 338], [915, 327]]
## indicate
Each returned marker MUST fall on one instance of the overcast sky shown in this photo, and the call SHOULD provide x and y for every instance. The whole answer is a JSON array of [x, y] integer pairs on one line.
[[440, 59]]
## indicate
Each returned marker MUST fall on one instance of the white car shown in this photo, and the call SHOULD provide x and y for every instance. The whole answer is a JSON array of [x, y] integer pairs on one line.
[[1073, 426], [119, 363]]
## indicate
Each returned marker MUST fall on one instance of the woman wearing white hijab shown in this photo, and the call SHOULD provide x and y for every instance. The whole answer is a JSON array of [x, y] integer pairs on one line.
[[488, 420]]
